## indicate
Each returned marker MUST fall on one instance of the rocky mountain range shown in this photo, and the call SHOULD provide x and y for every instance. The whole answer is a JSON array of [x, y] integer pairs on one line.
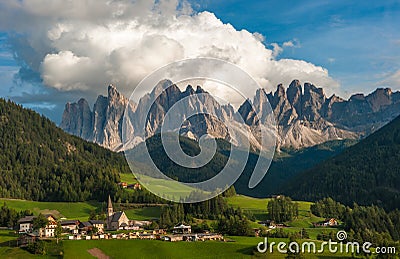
[[303, 114]]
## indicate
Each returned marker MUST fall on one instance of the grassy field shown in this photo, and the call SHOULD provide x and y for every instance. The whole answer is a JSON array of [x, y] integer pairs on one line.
[[167, 188], [145, 213], [258, 207], [248, 203], [236, 247], [7, 236], [128, 178], [70, 210], [159, 249]]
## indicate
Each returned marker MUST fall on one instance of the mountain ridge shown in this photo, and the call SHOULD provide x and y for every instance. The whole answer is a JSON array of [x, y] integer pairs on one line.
[[304, 115]]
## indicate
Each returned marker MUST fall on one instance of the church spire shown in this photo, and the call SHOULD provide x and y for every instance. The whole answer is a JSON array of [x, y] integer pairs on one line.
[[110, 212], [109, 203]]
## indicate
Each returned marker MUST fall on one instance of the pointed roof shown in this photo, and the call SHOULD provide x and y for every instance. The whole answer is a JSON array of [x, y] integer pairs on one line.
[[26, 219], [182, 225], [117, 215], [109, 202]]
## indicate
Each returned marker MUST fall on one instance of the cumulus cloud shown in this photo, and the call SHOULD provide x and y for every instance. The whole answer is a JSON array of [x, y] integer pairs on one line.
[[84, 45], [291, 44]]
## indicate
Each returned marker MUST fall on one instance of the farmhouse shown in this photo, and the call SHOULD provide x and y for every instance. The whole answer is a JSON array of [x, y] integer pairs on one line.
[[26, 224], [182, 229], [99, 224], [85, 227], [326, 223], [116, 220], [123, 184], [268, 223], [70, 225], [48, 231]]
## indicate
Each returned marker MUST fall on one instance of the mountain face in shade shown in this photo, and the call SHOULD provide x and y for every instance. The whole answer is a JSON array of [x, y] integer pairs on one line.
[[366, 173], [304, 115]]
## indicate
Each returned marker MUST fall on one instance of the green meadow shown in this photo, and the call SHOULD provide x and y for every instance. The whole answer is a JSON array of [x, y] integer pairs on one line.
[[145, 213], [6, 238], [128, 178], [69, 210], [234, 247]]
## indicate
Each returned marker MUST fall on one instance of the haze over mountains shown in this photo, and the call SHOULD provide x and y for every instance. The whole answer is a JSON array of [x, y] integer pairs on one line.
[[304, 115]]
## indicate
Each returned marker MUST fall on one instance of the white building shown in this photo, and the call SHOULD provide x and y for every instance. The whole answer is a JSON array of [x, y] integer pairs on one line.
[[26, 224]]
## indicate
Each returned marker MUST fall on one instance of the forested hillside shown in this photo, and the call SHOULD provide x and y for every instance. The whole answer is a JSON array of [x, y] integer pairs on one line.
[[285, 165], [366, 173], [39, 161]]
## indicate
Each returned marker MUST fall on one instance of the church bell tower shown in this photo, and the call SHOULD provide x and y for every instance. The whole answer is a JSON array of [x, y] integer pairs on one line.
[[110, 212]]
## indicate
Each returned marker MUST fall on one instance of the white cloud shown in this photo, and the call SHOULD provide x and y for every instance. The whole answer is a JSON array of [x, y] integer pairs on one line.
[[276, 49], [84, 45]]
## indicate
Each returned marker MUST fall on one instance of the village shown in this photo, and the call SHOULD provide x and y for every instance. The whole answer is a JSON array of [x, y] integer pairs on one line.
[[116, 226]]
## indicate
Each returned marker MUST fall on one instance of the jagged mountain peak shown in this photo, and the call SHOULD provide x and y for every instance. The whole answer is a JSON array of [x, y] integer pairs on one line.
[[303, 114], [280, 91], [200, 90], [310, 88], [160, 87]]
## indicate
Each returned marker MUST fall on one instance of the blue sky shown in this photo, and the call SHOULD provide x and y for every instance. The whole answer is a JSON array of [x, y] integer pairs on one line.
[[358, 42]]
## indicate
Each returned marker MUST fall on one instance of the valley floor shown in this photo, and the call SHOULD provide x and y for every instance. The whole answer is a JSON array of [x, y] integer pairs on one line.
[[232, 247]]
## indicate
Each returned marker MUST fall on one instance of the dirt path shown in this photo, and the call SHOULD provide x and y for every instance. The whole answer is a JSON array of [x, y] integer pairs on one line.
[[98, 253]]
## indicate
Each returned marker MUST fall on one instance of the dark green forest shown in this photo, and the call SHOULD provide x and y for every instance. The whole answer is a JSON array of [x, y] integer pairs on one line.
[[39, 161], [191, 148], [366, 173], [362, 223], [286, 164], [229, 220], [282, 208]]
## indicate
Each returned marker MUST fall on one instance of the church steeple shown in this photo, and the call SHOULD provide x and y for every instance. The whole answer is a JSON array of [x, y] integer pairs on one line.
[[110, 209], [109, 202], [110, 212]]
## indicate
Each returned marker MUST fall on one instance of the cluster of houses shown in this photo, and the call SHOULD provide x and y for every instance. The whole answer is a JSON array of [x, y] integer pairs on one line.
[[96, 229], [156, 234], [135, 186], [115, 221], [26, 226], [271, 224], [331, 222]]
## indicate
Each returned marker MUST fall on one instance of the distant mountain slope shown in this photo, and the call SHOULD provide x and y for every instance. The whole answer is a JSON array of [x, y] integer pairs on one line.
[[39, 161], [286, 165], [366, 173], [304, 115]]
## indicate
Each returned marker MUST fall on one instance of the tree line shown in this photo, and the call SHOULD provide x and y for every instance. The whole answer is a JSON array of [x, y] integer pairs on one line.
[[39, 161], [362, 223]]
